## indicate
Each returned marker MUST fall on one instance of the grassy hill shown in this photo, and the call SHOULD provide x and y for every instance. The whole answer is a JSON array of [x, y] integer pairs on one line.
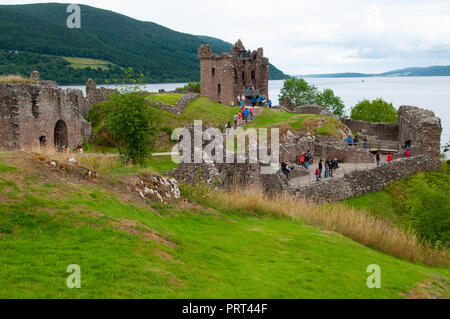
[[36, 37], [197, 248], [212, 114]]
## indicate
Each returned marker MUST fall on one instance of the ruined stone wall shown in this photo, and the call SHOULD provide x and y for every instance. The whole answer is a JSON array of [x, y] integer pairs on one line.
[[30, 113], [423, 129], [95, 95], [358, 183], [179, 108], [383, 131], [312, 109], [223, 77]]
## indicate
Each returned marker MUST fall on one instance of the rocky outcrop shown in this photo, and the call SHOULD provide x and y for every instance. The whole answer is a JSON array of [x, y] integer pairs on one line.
[[156, 188]]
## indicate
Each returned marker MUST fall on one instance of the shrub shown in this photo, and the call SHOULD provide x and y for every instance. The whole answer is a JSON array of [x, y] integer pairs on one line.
[[195, 86], [128, 123], [302, 93], [376, 110]]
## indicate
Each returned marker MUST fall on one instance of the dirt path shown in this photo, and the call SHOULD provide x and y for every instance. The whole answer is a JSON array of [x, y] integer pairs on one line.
[[344, 168]]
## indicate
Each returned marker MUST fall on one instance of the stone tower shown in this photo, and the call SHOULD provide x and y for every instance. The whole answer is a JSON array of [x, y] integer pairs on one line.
[[225, 77]]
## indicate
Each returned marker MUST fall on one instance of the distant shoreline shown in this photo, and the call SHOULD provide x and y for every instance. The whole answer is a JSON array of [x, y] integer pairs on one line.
[[436, 70]]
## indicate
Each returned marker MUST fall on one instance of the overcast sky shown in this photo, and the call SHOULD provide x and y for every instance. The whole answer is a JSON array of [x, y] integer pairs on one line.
[[314, 36]]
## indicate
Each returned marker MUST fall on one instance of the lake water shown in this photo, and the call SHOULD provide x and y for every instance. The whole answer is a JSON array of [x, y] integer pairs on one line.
[[431, 93]]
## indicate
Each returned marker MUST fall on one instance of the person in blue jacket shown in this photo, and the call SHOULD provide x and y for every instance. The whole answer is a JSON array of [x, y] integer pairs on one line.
[[260, 100], [349, 140], [246, 113]]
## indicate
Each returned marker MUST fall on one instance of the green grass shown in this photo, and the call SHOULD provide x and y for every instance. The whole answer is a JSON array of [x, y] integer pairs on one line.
[[166, 98], [83, 63], [155, 164], [419, 202], [47, 225], [6, 168], [322, 125], [202, 108]]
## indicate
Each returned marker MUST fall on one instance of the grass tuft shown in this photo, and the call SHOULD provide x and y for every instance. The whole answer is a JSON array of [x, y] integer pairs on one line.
[[14, 79]]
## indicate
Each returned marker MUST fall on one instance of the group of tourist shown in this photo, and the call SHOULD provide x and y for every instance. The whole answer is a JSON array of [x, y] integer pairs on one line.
[[243, 116], [244, 54], [66, 149], [327, 169], [259, 100], [331, 165], [354, 141]]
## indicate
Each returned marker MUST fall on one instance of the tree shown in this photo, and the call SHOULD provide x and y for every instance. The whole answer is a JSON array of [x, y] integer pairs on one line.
[[127, 121], [374, 111], [132, 126], [303, 93], [331, 102], [299, 91]]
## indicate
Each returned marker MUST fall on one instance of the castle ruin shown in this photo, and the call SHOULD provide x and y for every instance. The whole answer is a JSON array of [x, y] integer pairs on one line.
[[42, 114], [225, 77]]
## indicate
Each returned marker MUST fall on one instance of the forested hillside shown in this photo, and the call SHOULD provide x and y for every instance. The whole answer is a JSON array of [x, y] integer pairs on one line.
[[36, 37]]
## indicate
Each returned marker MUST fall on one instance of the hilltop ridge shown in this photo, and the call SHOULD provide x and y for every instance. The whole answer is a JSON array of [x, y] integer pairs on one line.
[[35, 36]]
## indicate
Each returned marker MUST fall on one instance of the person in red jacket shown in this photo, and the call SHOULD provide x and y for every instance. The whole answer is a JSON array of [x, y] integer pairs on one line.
[[317, 174], [389, 157], [408, 153]]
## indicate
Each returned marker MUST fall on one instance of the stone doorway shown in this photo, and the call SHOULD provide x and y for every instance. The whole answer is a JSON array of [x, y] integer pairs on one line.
[[61, 137], [43, 141]]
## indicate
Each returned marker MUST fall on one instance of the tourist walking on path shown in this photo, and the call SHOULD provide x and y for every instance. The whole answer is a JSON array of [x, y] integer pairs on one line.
[[335, 166], [246, 112], [330, 167], [270, 104], [320, 168], [253, 101], [355, 141], [408, 153], [285, 169], [306, 162], [378, 159], [260, 100], [327, 170], [317, 174], [389, 157], [349, 141], [302, 160], [228, 128], [308, 153], [242, 100], [365, 143], [236, 119], [252, 113]]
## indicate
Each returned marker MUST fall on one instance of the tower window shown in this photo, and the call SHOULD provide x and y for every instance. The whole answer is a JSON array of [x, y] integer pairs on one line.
[[213, 72], [253, 75]]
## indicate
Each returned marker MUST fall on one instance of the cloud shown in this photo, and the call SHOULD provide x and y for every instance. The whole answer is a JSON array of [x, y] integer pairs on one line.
[[303, 36]]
